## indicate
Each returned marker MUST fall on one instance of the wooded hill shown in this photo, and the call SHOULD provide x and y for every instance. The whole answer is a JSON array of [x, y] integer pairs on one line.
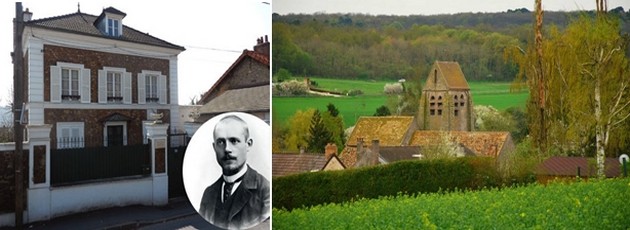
[[360, 46]]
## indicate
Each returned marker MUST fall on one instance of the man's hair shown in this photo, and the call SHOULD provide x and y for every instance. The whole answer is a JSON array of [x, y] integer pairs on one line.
[[238, 119]]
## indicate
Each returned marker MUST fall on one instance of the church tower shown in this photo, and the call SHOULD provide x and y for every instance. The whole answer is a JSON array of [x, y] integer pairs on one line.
[[446, 103]]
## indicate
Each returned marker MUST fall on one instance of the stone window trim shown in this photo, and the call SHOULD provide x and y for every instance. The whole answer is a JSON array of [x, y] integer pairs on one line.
[[115, 123], [107, 91], [152, 87], [64, 87], [70, 135]]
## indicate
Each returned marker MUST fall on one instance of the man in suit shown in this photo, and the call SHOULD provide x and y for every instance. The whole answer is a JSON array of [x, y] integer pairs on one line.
[[240, 198]]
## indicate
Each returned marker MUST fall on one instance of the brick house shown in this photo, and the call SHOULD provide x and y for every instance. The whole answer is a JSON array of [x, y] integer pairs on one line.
[[244, 87], [100, 98], [97, 80]]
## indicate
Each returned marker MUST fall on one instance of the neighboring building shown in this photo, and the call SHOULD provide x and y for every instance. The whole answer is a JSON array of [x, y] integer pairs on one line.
[[445, 106], [244, 87], [446, 103], [100, 99], [572, 167], [97, 80], [293, 163]]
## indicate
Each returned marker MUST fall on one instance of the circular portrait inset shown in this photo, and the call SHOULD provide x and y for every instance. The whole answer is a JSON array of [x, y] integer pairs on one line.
[[227, 169]]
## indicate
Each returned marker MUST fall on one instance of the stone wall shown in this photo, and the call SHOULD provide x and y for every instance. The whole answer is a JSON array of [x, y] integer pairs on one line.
[[7, 180], [95, 61]]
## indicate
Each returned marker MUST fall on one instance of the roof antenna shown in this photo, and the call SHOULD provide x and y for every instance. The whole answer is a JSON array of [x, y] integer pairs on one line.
[[79, 7]]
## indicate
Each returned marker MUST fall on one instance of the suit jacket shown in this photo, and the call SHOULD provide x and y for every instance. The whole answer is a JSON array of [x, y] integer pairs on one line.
[[249, 205]]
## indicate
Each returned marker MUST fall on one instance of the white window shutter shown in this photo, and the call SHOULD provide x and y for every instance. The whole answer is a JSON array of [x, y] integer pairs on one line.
[[102, 86], [55, 84], [162, 89], [142, 97], [85, 85], [126, 88]]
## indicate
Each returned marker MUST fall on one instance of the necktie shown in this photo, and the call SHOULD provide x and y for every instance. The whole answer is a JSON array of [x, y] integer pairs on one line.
[[227, 188]]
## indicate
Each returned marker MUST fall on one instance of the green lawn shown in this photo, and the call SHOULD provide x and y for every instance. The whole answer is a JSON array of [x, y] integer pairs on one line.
[[496, 94]]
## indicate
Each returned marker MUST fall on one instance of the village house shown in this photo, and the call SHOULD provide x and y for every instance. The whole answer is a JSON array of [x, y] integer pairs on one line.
[[244, 87], [563, 168], [100, 100], [292, 163], [445, 108]]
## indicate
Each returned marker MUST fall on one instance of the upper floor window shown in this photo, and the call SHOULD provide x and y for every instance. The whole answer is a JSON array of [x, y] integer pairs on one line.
[[69, 82], [152, 87], [113, 27], [114, 85]]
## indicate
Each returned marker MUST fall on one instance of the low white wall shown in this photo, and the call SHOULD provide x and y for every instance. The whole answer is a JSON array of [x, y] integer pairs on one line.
[[85, 197]]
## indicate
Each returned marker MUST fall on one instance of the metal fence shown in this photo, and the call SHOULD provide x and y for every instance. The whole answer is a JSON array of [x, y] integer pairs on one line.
[[79, 165]]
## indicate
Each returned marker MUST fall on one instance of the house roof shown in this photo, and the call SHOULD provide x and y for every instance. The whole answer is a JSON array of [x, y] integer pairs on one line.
[[83, 24], [452, 74], [389, 130], [399, 153], [258, 57], [567, 166], [239, 100], [481, 143], [292, 163]]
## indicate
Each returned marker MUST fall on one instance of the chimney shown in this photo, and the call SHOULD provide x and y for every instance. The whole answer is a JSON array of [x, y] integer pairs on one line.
[[359, 146], [375, 152], [301, 150], [27, 15], [331, 149], [262, 46]]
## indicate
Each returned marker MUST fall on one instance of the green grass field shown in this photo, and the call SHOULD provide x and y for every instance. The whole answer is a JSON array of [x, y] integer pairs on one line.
[[496, 94]]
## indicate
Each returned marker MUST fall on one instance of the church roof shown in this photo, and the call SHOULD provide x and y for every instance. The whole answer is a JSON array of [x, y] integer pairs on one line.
[[452, 74]]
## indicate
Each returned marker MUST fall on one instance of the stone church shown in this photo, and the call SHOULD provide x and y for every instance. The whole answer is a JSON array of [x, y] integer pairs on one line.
[[445, 106]]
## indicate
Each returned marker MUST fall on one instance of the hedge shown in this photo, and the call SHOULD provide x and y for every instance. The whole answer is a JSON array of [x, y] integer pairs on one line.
[[406, 177]]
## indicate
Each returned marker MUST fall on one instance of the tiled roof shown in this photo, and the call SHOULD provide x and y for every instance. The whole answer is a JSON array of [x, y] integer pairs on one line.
[[83, 24], [261, 58], [348, 156], [239, 100], [389, 130], [567, 166], [286, 164], [481, 143], [453, 74], [399, 153]]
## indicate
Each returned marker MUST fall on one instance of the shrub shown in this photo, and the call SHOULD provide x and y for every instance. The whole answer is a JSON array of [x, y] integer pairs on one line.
[[395, 88], [354, 92], [291, 88], [407, 177]]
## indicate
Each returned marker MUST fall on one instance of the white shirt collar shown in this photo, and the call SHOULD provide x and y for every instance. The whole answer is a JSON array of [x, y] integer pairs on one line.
[[232, 178]]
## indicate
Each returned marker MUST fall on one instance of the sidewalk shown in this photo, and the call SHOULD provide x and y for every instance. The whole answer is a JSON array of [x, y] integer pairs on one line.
[[129, 217]]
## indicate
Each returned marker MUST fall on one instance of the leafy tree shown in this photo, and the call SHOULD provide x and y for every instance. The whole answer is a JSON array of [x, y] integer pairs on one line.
[[332, 109], [382, 111], [283, 75], [319, 134], [298, 130]]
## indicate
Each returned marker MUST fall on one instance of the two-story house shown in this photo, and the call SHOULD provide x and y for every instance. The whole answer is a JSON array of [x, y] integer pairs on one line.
[[96, 80]]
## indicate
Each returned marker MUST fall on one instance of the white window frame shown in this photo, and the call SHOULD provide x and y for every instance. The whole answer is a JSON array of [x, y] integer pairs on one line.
[[113, 27], [57, 83], [106, 87], [70, 76], [80, 135], [159, 85], [115, 123]]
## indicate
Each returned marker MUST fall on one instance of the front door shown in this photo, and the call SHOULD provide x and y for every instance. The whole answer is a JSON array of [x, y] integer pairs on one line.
[[114, 135]]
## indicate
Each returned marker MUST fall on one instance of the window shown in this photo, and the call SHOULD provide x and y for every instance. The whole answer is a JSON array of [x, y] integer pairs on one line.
[[439, 112], [439, 104], [70, 135], [456, 112], [432, 112], [461, 104], [151, 82], [114, 80], [113, 27], [70, 84], [432, 98]]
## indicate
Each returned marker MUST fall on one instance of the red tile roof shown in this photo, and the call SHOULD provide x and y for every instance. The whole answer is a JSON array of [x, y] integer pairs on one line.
[[567, 166], [287, 164], [481, 143], [389, 130]]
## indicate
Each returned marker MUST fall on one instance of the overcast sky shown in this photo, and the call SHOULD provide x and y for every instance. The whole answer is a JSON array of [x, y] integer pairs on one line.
[[202, 27], [425, 7]]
